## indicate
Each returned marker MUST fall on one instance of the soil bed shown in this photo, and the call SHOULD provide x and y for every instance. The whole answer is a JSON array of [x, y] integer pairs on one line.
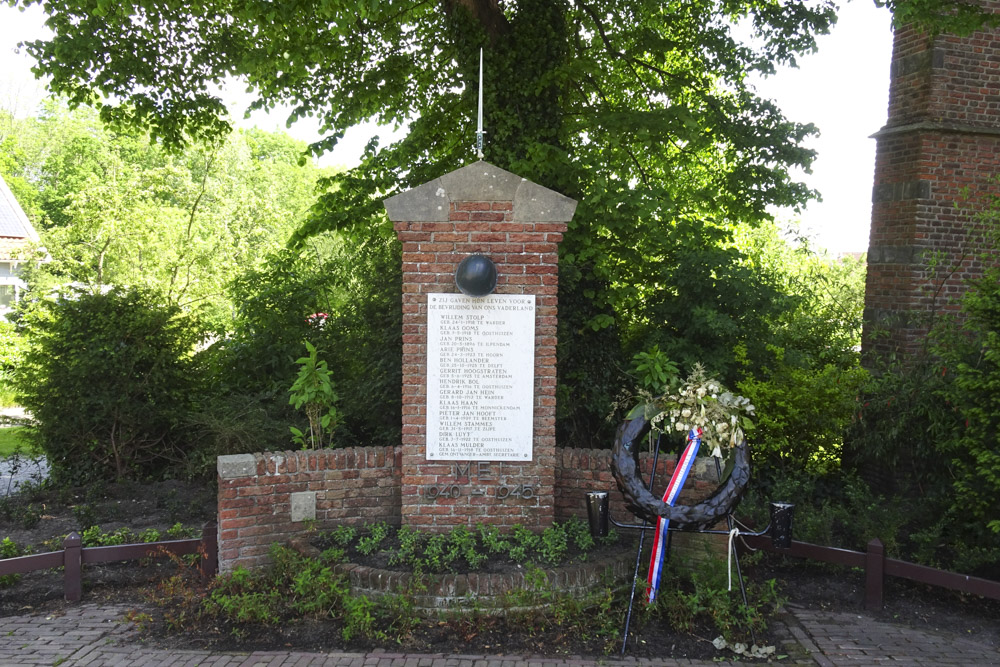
[[162, 505]]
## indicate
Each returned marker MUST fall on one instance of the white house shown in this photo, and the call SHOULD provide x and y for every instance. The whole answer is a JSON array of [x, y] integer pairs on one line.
[[16, 234]]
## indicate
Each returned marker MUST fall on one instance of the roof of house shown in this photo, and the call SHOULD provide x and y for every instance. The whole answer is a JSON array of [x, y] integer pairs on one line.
[[14, 224]]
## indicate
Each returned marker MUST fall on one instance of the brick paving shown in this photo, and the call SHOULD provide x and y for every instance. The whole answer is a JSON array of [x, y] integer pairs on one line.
[[97, 636]]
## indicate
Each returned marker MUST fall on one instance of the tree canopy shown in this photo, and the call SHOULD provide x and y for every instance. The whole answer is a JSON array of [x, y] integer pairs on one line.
[[641, 110], [113, 209]]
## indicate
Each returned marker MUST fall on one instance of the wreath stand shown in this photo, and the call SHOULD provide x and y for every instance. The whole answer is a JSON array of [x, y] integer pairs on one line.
[[691, 519]]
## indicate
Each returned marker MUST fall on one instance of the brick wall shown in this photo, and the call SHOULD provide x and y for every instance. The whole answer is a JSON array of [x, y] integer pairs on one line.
[[257, 493], [478, 209], [340, 486], [936, 165], [581, 470]]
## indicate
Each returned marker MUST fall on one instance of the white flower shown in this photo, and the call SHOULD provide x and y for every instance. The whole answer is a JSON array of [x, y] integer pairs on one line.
[[686, 412]]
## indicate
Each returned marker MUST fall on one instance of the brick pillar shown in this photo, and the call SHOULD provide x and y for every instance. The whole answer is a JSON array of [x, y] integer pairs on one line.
[[479, 209], [936, 164]]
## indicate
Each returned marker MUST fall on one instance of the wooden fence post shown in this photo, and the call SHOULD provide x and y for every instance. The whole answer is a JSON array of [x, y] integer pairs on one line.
[[874, 575], [72, 560], [210, 543]]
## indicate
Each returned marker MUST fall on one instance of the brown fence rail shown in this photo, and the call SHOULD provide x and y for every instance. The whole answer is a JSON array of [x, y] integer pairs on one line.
[[74, 555], [877, 567]]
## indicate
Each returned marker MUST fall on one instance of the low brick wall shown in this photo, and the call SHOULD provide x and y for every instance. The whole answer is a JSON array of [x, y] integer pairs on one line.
[[327, 487], [276, 496], [497, 592]]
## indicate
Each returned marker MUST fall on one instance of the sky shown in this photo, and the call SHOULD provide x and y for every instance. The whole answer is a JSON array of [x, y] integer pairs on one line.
[[842, 89]]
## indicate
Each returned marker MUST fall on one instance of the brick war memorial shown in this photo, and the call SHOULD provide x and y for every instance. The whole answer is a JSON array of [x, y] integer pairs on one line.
[[478, 393], [479, 370]]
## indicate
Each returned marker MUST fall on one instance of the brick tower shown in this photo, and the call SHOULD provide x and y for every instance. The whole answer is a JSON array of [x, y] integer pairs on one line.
[[936, 164]]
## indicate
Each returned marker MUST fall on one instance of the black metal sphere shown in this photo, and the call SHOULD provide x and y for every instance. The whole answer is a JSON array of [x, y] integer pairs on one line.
[[476, 275]]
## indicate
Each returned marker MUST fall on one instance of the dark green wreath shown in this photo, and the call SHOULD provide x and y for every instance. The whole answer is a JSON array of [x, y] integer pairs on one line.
[[641, 502]]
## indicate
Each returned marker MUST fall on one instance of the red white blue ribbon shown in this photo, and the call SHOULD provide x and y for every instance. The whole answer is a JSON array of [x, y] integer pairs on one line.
[[659, 555]]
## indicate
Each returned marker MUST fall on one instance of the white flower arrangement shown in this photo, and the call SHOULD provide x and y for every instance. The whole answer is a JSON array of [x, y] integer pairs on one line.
[[703, 402]]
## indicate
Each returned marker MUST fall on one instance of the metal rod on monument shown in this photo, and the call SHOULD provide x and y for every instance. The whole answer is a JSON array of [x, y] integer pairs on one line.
[[479, 128], [733, 553], [638, 552]]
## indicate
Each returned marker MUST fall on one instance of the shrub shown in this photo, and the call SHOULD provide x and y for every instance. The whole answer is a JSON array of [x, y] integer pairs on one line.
[[12, 347], [108, 377]]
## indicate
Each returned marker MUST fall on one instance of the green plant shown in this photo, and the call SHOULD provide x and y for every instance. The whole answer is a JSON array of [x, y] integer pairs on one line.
[[491, 539], [553, 544], [13, 440], [579, 533], [359, 618], [179, 532], [462, 544], [107, 377], [343, 535], [8, 549], [702, 593], [15, 510], [410, 543], [521, 544], [377, 533], [654, 371], [436, 555], [85, 514], [95, 537], [313, 391], [317, 590]]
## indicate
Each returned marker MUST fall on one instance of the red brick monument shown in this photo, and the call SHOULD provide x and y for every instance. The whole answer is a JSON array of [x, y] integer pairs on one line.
[[479, 372]]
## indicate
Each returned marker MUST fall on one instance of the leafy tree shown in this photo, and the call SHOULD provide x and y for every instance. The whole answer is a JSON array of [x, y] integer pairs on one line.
[[114, 209]]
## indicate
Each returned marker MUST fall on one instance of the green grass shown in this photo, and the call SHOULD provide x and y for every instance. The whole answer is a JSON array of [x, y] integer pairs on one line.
[[10, 439]]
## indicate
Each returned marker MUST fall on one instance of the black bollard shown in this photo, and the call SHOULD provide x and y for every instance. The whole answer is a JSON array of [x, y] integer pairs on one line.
[[781, 524], [597, 513]]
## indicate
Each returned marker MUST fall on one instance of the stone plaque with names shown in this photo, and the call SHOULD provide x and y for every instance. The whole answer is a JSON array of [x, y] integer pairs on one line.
[[480, 377]]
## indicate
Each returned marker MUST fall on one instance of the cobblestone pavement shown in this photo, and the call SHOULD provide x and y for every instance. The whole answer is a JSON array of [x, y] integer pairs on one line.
[[95, 635]]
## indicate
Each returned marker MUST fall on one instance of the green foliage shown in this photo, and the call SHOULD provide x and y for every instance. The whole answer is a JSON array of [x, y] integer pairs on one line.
[[376, 534], [9, 549], [656, 374], [805, 376], [94, 536], [641, 111], [465, 548], [702, 594], [313, 391], [355, 282], [553, 545], [107, 379], [12, 346], [17, 509], [295, 587], [803, 411], [974, 452], [115, 209], [343, 535], [840, 510]]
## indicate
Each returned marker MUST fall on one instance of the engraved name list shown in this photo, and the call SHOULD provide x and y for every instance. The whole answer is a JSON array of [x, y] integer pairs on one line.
[[480, 377]]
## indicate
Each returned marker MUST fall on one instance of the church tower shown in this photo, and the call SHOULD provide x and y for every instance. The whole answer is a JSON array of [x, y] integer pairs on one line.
[[937, 166]]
